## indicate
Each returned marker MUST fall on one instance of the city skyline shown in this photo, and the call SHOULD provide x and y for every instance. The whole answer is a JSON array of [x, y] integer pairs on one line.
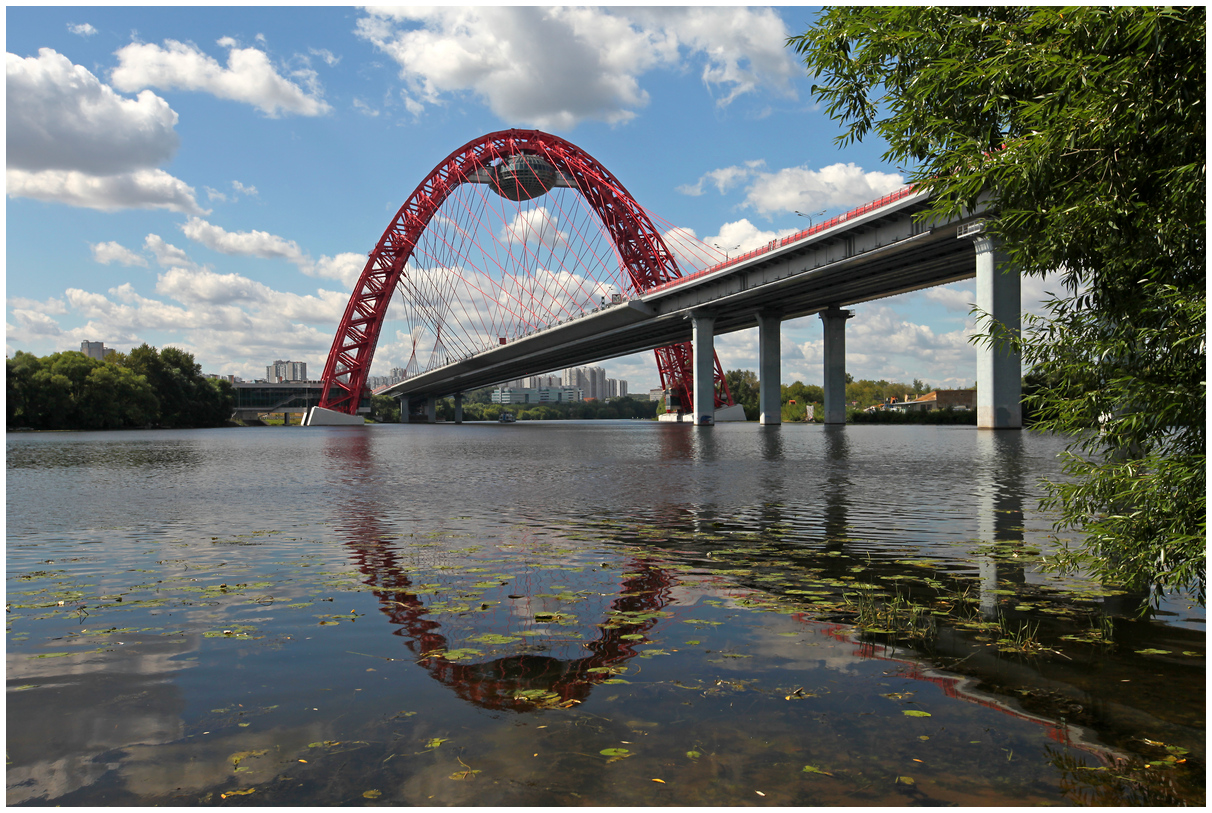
[[239, 163]]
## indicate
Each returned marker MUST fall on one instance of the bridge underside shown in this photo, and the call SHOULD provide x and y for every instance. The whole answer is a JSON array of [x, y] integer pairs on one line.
[[874, 257]]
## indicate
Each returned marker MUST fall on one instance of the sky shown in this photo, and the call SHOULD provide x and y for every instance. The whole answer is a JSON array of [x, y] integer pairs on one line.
[[212, 178]]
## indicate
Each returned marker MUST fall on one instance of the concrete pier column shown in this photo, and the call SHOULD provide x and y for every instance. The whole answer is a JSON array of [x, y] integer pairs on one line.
[[769, 368], [458, 404], [403, 401], [834, 320], [999, 387], [704, 368], [431, 409]]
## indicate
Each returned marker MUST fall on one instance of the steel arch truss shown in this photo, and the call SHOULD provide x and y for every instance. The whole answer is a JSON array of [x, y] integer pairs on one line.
[[642, 251]]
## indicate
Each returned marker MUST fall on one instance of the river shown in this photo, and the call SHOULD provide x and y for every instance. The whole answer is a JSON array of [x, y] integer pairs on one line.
[[575, 613]]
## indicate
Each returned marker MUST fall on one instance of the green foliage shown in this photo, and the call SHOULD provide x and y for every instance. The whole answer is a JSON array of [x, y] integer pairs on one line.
[[915, 416], [743, 385], [616, 408], [1086, 127], [384, 409], [72, 391]]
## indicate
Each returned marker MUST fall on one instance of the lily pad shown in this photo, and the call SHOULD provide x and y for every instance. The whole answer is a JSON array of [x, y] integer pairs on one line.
[[915, 713]]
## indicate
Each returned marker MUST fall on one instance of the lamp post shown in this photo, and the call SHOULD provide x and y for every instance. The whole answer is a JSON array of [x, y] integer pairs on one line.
[[725, 250], [811, 217]]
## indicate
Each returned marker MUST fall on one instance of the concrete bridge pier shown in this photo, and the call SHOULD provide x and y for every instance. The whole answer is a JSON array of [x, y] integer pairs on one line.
[[704, 367], [769, 368], [999, 389], [834, 319], [458, 407]]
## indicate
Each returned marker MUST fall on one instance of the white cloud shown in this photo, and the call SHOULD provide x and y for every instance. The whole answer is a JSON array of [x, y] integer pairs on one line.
[[144, 189], [741, 236], [534, 227], [249, 77], [241, 189], [51, 305], [557, 67], [835, 186], [71, 139], [365, 109], [83, 29], [346, 267], [62, 117], [798, 188], [953, 299], [329, 58], [246, 243], [166, 254], [112, 252]]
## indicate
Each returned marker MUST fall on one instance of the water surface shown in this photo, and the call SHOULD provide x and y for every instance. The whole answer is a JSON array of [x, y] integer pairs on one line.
[[574, 613]]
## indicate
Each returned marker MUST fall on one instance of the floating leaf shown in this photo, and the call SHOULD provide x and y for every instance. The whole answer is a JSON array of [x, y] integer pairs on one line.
[[814, 769], [1152, 651], [436, 741], [905, 780], [615, 752], [372, 794], [236, 793], [915, 713], [694, 754]]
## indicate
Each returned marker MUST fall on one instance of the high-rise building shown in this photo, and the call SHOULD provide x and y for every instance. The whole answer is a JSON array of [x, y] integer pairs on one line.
[[95, 350], [281, 371]]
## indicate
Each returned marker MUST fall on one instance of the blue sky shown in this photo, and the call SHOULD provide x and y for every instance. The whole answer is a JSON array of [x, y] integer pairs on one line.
[[212, 178]]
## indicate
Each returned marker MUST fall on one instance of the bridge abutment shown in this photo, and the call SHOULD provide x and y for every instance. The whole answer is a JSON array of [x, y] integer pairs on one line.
[[769, 368], [834, 319], [703, 325], [999, 387]]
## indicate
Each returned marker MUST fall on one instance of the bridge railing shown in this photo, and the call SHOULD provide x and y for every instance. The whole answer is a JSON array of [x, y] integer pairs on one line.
[[892, 197]]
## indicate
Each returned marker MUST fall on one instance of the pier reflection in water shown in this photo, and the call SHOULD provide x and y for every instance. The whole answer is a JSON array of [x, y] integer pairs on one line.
[[562, 614]]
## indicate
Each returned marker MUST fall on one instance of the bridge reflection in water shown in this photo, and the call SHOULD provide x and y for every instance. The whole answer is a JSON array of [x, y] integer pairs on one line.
[[551, 663], [561, 670]]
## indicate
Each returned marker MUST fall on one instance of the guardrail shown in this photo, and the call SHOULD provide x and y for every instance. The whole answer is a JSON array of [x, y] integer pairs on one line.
[[890, 198]]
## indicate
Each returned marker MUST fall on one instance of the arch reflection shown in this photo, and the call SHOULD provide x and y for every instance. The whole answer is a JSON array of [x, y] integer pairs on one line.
[[529, 678]]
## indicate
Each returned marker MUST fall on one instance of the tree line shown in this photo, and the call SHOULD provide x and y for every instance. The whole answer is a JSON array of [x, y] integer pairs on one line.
[[477, 406], [796, 398], [143, 388]]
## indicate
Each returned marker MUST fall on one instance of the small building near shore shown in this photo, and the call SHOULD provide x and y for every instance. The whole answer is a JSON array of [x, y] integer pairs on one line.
[[939, 399]]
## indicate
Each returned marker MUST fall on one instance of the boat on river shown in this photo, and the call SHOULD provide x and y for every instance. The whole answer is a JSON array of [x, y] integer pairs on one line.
[[507, 417]]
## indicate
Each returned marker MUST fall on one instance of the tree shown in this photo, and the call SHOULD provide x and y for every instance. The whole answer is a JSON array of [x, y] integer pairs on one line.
[[743, 384], [1086, 129]]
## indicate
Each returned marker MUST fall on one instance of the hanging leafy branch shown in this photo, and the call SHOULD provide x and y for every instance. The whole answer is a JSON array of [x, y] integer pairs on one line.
[[1086, 129]]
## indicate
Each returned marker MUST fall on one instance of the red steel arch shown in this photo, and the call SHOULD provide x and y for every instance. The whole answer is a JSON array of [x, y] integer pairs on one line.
[[643, 252]]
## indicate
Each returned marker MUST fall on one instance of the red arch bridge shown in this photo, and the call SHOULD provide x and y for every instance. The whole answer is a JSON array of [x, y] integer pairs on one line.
[[520, 254]]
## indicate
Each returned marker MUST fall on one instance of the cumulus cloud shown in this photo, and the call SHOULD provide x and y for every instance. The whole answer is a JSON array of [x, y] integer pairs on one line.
[[346, 267], [52, 305], [557, 67], [83, 29], [951, 298], [112, 252], [249, 77], [145, 189], [834, 186], [534, 227], [798, 188], [71, 139], [722, 179], [166, 254], [62, 117], [245, 243], [741, 236]]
